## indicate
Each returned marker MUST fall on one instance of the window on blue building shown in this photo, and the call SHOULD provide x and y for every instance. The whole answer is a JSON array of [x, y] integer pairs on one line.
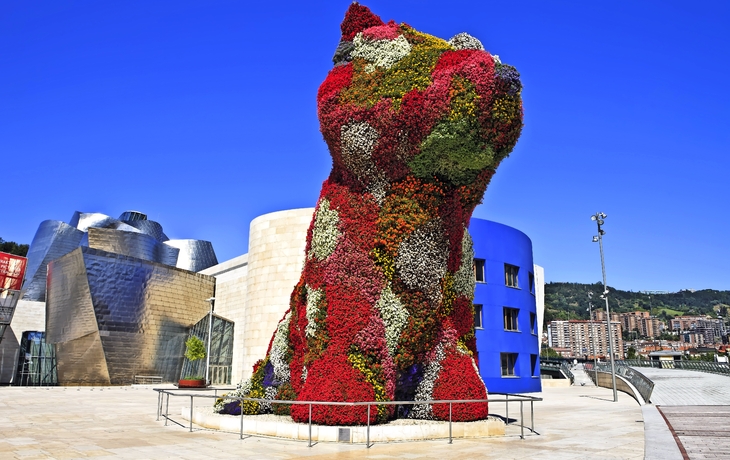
[[532, 283], [478, 316], [533, 365], [479, 273], [510, 275], [508, 364], [533, 323], [510, 318]]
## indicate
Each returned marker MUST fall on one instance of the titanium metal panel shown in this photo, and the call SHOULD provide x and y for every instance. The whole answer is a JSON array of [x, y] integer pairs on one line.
[[71, 323], [138, 245], [141, 314], [52, 240], [195, 255], [149, 227]]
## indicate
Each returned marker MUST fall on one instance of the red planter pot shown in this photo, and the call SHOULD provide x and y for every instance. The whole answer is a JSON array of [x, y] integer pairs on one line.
[[197, 383]]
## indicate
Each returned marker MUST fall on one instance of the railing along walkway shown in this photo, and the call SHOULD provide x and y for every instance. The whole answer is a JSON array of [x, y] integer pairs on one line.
[[701, 366], [642, 384], [163, 399]]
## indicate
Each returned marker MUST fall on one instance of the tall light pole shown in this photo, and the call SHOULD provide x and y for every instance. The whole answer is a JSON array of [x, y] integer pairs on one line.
[[210, 336], [593, 335], [598, 218]]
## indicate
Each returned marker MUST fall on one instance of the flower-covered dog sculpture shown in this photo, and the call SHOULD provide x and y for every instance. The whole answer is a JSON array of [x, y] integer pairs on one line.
[[416, 127]]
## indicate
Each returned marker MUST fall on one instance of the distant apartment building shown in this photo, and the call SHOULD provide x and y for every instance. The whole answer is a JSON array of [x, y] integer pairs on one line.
[[600, 315], [585, 339], [700, 330], [641, 322]]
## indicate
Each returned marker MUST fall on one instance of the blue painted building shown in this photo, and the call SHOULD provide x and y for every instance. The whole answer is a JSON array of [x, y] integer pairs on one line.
[[505, 312]]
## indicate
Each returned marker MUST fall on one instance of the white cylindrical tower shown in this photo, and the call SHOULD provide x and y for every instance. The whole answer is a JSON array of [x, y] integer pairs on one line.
[[275, 260]]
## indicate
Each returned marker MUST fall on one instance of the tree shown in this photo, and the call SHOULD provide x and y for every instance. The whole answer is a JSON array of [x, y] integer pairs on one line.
[[548, 352], [631, 353], [11, 247], [194, 351]]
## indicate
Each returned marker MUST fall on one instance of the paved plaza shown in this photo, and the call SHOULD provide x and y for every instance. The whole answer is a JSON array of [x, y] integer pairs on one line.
[[572, 423], [85, 422], [696, 406]]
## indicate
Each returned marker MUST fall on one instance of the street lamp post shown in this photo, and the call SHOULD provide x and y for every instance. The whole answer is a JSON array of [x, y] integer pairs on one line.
[[598, 218], [593, 335], [210, 334]]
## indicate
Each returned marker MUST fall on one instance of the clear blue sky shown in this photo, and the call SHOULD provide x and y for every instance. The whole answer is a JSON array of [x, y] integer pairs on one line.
[[203, 115]]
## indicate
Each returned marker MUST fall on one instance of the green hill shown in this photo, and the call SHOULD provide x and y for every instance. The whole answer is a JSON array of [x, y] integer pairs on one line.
[[570, 301]]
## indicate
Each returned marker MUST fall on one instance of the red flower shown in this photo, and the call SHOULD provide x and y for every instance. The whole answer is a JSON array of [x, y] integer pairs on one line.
[[454, 383]]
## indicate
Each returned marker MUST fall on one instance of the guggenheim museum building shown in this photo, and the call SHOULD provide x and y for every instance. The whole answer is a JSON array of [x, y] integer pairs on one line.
[[112, 301]]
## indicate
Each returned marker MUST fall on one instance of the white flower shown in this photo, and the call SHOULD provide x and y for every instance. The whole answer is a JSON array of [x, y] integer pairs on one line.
[[314, 296], [279, 347], [424, 392], [325, 233], [422, 257], [380, 53], [358, 141], [269, 393], [464, 41], [395, 317], [464, 277]]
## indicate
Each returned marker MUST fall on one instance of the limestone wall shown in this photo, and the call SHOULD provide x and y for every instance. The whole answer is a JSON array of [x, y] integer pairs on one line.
[[275, 260], [29, 316]]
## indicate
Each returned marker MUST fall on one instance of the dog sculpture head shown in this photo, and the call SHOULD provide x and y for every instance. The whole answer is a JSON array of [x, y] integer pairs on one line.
[[403, 103]]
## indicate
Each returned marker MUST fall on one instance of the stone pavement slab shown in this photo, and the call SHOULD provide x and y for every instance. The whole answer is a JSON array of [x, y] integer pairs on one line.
[[679, 387], [703, 431], [70, 422]]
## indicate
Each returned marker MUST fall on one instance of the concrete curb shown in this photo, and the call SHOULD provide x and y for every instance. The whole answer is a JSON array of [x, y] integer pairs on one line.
[[659, 443]]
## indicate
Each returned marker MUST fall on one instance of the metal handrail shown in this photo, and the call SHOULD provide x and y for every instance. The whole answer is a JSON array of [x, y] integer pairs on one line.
[[164, 394], [642, 384], [701, 366], [563, 366]]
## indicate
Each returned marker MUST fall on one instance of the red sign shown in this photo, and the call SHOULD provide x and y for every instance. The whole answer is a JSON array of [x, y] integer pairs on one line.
[[12, 271]]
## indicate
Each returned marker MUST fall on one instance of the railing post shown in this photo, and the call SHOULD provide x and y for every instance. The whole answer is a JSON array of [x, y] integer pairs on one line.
[[310, 425], [506, 407], [522, 423], [241, 434], [167, 407], [159, 405], [532, 415], [450, 438], [191, 413], [367, 440]]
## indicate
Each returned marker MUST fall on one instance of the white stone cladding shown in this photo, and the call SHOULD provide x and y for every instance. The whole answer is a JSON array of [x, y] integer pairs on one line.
[[539, 297], [275, 260], [28, 316]]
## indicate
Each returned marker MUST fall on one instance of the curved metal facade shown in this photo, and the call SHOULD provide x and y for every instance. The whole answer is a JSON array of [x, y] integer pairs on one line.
[[508, 341], [52, 240], [112, 317], [131, 235], [194, 255]]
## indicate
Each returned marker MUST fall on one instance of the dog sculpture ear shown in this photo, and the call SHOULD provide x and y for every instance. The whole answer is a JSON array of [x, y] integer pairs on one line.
[[357, 19]]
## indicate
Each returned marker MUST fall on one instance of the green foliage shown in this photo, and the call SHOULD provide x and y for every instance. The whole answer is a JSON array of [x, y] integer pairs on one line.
[[11, 247], [285, 393], [631, 353], [548, 352], [709, 357], [668, 336], [453, 152], [194, 349], [570, 301]]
